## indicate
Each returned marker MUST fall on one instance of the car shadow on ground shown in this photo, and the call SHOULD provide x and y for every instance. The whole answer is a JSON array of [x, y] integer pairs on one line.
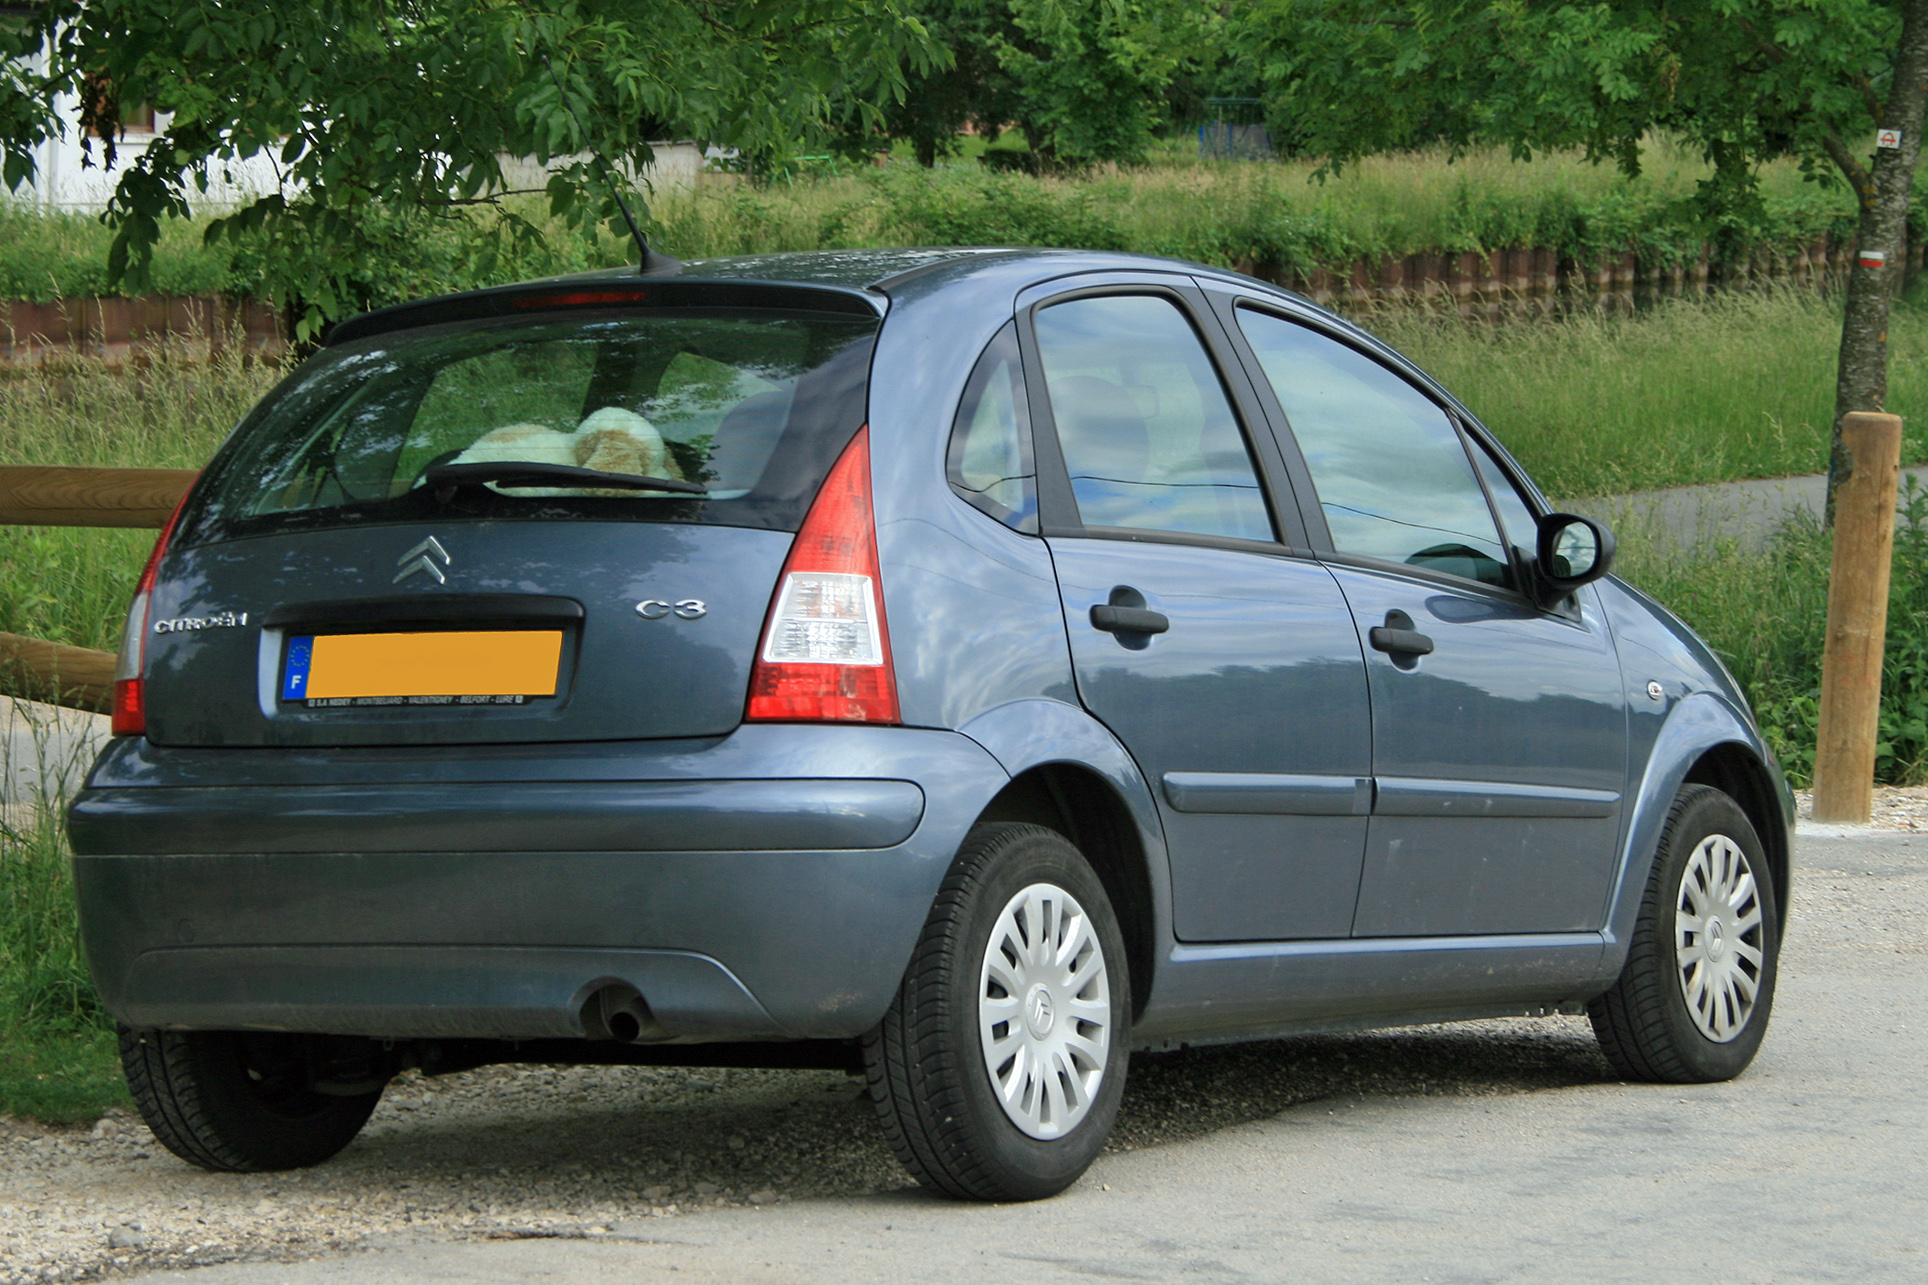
[[566, 1137], [1174, 1096]]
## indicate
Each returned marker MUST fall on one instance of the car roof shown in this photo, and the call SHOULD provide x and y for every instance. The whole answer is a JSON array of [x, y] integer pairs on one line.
[[858, 281]]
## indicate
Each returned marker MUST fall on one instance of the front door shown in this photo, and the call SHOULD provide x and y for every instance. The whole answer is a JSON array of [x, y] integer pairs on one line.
[[1499, 728], [1224, 660]]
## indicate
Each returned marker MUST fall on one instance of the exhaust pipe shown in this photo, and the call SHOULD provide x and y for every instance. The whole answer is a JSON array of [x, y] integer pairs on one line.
[[617, 1011]]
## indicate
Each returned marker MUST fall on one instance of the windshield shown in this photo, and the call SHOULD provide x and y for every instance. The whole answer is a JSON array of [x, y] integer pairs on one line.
[[752, 405]]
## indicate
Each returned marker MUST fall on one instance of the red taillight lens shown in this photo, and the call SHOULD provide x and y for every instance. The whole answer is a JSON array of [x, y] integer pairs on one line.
[[130, 700], [825, 654]]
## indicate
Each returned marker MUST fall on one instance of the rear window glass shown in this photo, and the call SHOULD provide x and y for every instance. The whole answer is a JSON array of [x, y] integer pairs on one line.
[[753, 406]]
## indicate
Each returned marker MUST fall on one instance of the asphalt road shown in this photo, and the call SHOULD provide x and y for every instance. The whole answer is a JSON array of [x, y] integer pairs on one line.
[[1809, 1168]]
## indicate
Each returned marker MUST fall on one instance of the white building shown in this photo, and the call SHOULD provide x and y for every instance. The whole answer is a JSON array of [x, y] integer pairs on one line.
[[68, 178]]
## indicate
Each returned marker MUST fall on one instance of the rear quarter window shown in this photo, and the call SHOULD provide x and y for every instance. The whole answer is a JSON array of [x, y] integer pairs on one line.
[[755, 406]]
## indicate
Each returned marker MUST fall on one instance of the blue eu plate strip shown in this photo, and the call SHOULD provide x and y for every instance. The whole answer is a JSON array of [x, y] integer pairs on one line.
[[294, 679]]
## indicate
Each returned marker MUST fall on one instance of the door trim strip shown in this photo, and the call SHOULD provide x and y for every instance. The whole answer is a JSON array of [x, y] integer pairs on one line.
[[1262, 792], [1407, 796]]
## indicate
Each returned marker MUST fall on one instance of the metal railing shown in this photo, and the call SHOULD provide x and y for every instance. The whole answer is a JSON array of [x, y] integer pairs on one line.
[[77, 677]]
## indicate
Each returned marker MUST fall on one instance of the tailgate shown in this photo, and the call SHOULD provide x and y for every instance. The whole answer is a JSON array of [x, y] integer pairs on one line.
[[376, 636]]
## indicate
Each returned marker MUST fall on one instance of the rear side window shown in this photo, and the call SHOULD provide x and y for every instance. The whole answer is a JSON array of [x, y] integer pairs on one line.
[[1148, 435], [990, 454], [755, 406]]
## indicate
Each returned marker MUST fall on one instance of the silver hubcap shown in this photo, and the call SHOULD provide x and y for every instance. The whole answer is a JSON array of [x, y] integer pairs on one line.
[[1717, 938], [1044, 1011]]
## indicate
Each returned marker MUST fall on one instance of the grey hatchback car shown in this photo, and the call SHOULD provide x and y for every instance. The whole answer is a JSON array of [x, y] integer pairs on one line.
[[961, 667]]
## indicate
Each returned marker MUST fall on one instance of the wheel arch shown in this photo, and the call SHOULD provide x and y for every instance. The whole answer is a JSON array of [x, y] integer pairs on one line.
[[1736, 771], [1079, 804], [1703, 741], [1069, 773]]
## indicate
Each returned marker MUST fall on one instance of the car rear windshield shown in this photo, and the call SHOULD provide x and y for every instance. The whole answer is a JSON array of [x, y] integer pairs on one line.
[[753, 405]]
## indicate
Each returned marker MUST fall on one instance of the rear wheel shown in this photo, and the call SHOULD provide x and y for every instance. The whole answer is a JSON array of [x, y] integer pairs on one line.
[[1692, 1002], [244, 1101], [999, 1068]]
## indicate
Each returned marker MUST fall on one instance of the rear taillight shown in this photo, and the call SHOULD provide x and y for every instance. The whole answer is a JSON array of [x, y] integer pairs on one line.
[[825, 654], [130, 703]]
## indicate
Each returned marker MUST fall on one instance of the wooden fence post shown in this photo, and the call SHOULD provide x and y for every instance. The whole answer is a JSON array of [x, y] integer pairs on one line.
[[1864, 537]]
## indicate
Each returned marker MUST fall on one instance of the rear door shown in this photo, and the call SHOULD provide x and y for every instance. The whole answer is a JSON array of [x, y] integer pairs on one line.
[[1221, 656], [323, 590], [1499, 727]]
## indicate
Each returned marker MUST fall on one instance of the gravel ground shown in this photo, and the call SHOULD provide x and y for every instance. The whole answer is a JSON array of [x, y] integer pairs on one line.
[[524, 1152], [1901, 808], [513, 1152]]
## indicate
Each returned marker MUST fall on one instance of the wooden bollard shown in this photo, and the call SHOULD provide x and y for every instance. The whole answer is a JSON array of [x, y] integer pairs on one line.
[[1864, 538]]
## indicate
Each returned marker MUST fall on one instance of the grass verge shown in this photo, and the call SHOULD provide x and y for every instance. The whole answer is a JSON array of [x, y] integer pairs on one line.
[[61, 1077]]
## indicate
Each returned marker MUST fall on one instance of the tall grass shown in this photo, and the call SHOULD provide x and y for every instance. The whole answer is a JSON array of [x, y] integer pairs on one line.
[[57, 1056], [72, 584], [1740, 385]]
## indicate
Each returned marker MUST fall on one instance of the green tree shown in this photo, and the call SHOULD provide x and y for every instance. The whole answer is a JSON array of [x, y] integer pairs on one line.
[[1092, 75], [968, 86], [1744, 80], [1084, 80], [370, 108]]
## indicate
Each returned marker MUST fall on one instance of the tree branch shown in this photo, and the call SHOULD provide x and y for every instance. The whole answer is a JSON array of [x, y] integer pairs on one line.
[[1855, 172]]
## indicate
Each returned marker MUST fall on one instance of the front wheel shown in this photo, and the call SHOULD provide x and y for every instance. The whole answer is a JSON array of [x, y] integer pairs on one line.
[[1692, 1003], [998, 1070]]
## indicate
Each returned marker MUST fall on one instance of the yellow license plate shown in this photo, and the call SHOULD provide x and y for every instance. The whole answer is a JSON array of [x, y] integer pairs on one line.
[[473, 666]]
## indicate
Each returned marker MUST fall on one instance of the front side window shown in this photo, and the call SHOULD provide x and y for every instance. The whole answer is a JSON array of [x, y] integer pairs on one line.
[[1147, 432], [1521, 528], [1388, 463], [990, 454], [753, 407]]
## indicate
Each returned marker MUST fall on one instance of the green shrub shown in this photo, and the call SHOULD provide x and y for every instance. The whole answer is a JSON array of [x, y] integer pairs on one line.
[[1264, 216], [45, 257]]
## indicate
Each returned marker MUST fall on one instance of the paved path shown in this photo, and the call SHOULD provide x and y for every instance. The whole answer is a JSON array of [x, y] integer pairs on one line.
[[1809, 1168], [45, 750], [1743, 511]]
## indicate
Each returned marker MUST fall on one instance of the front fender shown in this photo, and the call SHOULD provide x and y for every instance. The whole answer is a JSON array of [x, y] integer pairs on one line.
[[1698, 723]]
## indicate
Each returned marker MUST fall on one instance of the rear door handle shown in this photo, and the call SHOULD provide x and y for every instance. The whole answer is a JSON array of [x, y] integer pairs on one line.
[[1130, 620], [1398, 637]]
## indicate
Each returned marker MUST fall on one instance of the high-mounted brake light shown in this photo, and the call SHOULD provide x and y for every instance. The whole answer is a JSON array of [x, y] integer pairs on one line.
[[583, 298], [825, 654], [130, 703]]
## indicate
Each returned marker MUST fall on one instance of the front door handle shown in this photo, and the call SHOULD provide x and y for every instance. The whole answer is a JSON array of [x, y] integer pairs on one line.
[[1129, 620], [1397, 637]]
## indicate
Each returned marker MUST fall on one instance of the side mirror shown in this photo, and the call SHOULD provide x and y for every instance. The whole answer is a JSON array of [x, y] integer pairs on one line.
[[1573, 551]]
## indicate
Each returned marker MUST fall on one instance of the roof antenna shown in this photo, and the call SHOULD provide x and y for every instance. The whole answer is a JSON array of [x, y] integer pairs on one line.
[[652, 262]]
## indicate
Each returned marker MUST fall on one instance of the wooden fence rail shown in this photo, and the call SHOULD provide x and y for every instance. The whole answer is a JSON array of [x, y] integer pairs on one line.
[[77, 677]]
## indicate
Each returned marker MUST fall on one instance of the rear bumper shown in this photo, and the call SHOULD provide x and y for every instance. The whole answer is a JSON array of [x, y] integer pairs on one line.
[[766, 885]]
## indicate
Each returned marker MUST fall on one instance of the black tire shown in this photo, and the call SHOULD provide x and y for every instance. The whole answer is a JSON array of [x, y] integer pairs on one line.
[[928, 1071], [237, 1101], [1646, 1025]]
